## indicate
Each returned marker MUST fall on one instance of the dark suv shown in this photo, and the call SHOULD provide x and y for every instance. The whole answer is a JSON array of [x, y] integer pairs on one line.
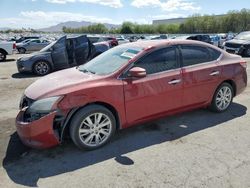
[[203, 38], [239, 45]]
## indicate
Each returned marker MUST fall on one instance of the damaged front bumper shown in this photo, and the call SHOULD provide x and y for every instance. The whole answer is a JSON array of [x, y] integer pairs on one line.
[[39, 133]]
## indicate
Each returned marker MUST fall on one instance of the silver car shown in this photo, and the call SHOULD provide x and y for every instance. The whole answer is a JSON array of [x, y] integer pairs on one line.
[[31, 45]]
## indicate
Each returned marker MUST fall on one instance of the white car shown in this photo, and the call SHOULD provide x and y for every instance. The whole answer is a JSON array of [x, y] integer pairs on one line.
[[122, 40], [6, 48]]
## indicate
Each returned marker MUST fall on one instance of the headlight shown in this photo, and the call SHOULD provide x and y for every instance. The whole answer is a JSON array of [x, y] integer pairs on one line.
[[43, 105], [41, 108]]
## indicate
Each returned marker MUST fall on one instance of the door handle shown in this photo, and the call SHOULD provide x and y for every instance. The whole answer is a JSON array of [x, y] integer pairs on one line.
[[173, 82], [214, 73]]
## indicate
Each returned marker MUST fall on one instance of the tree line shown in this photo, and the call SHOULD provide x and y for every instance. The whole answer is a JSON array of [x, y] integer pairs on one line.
[[234, 21], [23, 30]]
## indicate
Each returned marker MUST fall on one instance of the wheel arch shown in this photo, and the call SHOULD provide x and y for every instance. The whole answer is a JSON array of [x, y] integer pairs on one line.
[[232, 83], [18, 48], [229, 81], [4, 51], [70, 115]]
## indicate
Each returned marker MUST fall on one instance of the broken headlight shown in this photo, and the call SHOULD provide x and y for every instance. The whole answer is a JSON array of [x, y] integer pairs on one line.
[[41, 108]]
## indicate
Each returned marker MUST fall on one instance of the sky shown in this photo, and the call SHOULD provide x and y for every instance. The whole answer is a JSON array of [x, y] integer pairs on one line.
[[43, 13]]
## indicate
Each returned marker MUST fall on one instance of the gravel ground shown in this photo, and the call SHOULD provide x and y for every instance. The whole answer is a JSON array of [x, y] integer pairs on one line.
[[193, 149]]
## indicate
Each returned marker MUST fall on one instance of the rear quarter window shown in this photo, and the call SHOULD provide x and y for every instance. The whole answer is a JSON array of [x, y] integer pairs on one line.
[[214, 54], [193, 55]]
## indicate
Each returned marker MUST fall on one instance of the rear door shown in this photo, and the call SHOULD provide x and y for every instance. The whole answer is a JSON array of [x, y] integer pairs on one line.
[[160, 91], [81, 49], [201, 73], [59, 54]]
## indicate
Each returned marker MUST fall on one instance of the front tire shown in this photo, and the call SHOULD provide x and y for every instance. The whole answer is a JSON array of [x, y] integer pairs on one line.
[[2, 56], [41, 68], [222, 98], [92, 127]]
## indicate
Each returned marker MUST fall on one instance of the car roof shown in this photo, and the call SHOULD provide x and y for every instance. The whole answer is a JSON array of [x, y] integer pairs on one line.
[[145, 44]]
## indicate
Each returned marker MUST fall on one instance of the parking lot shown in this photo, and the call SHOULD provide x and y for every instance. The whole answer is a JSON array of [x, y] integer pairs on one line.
[[193, 149]]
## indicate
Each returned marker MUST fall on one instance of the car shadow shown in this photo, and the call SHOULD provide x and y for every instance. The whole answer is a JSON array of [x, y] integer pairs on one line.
[[29, 165], [7, 60], [23, 75]]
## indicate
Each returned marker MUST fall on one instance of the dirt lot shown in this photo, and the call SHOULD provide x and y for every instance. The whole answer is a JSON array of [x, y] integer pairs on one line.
[[194, 149]]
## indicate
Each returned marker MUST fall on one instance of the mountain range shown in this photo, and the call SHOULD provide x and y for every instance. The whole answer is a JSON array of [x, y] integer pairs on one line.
[[73, 24]]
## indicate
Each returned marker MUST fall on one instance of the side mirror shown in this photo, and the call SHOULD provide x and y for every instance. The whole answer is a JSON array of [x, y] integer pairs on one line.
[[137, 72]]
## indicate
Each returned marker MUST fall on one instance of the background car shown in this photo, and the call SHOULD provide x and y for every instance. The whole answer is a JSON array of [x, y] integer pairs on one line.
[[6, 48], [202, 38], [128, 85], [111, 40], [160, 37], [21, 39], [239, 45], [64, 53], [215, 39], [133, 38], [31, 45], [122, 40], [223, 38]]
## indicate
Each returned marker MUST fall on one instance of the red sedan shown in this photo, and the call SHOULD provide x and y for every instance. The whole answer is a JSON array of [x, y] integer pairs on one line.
[[127, 85]]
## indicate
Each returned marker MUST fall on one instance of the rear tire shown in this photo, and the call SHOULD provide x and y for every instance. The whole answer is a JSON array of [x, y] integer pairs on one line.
[[2, 55], [92, 127], [21, 50], [41, 68], [222, 98]]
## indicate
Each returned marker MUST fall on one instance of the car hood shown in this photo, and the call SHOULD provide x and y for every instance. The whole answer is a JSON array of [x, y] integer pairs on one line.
[[34, 54], [237, 41], [59, 83]]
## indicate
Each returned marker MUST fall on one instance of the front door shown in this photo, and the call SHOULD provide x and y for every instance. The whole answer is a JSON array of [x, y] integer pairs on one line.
[[160, 91], [59, 54], [82, 49]]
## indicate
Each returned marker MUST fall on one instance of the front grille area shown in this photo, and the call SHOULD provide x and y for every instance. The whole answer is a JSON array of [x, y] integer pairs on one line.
[[25, 102], [232, 45]]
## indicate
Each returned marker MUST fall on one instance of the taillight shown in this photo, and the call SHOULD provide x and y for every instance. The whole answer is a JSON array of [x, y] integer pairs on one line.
[[14, 45], [243, 64]]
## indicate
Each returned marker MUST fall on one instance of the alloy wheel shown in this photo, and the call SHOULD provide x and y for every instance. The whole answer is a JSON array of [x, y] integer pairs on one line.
[[223, 98], [42, 68], [95, 129]]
